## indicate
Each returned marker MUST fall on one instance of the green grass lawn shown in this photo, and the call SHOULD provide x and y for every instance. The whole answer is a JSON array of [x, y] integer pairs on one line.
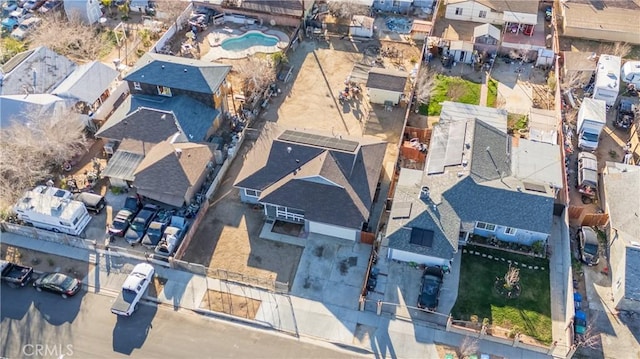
[[455, 89], [529, 314], [492, 93]]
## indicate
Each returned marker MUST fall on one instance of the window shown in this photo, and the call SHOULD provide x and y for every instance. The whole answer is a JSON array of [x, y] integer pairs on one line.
[[486, 226], [421, 237], [251, 193], [458, 11], [482, 14], [66, 224], [136, 86], [510, 231], [164, 91]]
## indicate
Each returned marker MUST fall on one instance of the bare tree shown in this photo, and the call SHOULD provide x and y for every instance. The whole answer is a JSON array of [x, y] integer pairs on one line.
[[512, 277], [468, 346], [345, 9], [34, 149], [169, 11], [573, 79], [621, 49], [71, 38], [256, 76], [424, 85]]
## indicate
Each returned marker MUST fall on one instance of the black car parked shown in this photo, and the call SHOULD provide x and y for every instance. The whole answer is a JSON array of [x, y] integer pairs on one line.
[[58, 283], [140, 224], [430, 288]]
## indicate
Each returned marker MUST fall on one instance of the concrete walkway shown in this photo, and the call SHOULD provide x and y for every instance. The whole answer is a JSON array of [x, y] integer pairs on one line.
[[381, 336], [484, 89]]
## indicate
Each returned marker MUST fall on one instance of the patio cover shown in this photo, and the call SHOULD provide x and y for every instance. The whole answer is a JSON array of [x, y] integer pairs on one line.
[[123, 165], [520, 18]]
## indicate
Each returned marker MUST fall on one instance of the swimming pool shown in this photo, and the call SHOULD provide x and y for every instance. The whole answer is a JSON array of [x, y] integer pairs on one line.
[[248, 40]]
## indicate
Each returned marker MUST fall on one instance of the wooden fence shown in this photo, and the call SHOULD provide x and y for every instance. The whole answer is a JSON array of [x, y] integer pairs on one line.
[[595, 219]]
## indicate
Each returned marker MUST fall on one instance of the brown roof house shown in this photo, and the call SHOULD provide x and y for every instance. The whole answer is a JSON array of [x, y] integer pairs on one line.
[[173, 173], [324, 183], [275, 12], [601, 20], [386, 86]]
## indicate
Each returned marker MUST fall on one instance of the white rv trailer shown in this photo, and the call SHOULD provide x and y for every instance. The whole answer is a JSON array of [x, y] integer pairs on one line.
[[607, 84], [52, 209]]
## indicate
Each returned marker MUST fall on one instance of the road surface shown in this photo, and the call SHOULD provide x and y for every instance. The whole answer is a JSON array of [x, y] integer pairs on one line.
[[43, 325]]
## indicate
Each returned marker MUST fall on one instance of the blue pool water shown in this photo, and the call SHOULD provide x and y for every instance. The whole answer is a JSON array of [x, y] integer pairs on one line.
[[248, 40]]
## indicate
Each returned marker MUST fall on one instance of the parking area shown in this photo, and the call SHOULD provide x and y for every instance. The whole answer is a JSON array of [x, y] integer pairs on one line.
[[331, 271], [517, 85]]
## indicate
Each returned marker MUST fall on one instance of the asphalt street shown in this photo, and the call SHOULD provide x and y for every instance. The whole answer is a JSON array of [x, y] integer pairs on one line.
[[44, 325]]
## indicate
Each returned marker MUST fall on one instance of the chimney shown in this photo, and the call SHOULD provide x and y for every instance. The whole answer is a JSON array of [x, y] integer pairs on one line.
[[178, 152]]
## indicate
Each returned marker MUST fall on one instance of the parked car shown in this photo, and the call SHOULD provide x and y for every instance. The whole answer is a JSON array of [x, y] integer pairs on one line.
[[94, 202], [589, 245], [9, 6], [15, 274], [154, 234], [32, 5], [133, 289], [580, 323], [23, 29], [626, 115], [430, 288], [50, 6], [172, 236], [14, 19], [58, 283], [140, 224], [121, 222]]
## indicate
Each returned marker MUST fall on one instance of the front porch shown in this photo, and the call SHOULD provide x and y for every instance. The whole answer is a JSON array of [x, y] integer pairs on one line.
[[525, 36], [285, 232]]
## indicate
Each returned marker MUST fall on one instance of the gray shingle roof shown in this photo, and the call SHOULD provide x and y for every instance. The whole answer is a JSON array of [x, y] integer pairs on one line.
[[179, 73], [387, 79], [330, 186], [276, 7], [622, 191], [490, 158], [194, 119], [87, 82], [16, 108]]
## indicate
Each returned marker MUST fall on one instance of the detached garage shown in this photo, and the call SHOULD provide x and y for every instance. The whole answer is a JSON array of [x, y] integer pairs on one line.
[[386, 86]]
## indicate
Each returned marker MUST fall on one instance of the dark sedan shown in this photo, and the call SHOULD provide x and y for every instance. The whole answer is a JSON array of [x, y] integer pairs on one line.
[[140, 224], [430, 289], [58, 283], [121, 222]]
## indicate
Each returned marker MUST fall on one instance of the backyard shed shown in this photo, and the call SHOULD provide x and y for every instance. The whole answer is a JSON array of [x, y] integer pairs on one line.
[[361, 26], [386, 86], [486, 34], [461, 51]]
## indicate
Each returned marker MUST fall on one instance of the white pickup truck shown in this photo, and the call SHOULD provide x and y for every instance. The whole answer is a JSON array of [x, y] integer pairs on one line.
[[133, 289]]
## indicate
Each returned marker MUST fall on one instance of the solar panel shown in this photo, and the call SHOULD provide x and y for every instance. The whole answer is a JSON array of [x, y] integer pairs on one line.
[[333, 143], [421, 237]]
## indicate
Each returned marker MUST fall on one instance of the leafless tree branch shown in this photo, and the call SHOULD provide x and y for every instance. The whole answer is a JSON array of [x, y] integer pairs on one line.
[[468, 346], [345, 9]]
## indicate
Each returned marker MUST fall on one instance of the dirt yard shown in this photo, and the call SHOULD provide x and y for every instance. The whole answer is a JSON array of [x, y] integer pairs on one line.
[[230, 304], [45, 262]]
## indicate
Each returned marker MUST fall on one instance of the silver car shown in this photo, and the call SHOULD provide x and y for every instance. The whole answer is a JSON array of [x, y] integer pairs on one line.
[[589, 246]]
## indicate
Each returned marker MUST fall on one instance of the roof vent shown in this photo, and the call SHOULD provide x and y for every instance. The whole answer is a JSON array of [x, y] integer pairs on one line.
[[162, 66], [289, 149], [185, 70], [178, 152], [424, 192], [519, 188]]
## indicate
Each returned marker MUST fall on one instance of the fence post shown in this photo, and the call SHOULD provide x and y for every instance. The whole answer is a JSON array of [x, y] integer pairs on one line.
[[379, 307], [515, 340], [361, 304], [552, 347], [449, 322]]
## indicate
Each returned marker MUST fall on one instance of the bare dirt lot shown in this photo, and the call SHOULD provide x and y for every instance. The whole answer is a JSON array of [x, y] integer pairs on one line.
[[230, 303], [45, 262]]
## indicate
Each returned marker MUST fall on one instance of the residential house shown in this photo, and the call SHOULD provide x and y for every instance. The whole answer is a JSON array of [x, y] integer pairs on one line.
[[420, 29], [477, 181], [321, 181], [361, 26], [578, 67], [498, 12], [386, 86], [36, 71], [611, 21], [23, 108], [173, 173], [276, 12], [87, 11], [88, 85], [621, 185], [172, 99], [167, 76]]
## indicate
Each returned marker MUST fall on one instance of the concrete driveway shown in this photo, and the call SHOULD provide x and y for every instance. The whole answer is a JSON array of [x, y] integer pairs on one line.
[[331, 271]]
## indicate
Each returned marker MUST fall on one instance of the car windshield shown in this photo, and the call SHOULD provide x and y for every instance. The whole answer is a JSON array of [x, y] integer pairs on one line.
[[154, 232], [591, 249], [118, 223], [138, 225], [128, 295], [591, 137]]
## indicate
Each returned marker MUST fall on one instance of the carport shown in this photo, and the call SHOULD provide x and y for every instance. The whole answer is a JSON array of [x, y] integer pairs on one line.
[[121, 167]]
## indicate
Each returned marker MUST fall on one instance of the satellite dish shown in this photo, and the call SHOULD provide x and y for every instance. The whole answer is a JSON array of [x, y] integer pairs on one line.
[[272, 22]]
